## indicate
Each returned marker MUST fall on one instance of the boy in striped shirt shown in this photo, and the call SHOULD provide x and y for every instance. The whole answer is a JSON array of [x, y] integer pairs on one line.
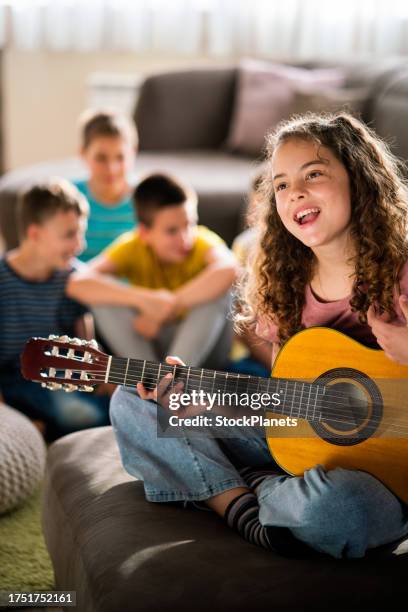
[[33, 302]]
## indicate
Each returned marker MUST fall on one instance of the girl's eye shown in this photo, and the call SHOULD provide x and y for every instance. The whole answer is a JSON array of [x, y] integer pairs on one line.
[[314, 174], [280, 186]]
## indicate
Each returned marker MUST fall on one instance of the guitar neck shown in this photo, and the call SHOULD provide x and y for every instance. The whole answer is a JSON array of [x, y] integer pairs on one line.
[[286, 396]]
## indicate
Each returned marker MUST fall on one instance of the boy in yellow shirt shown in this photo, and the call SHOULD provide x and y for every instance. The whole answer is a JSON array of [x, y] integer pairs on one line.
[[189, 269]]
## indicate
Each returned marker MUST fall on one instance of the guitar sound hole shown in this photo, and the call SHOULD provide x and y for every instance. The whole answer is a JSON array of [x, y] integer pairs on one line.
[[352, 412], [351, 408]]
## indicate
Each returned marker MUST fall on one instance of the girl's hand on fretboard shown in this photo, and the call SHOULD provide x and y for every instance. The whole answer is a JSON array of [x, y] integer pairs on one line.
[[161, 393]]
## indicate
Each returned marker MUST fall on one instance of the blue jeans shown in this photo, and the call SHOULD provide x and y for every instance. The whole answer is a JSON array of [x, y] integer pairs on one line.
[[62, 412], [339, 512]]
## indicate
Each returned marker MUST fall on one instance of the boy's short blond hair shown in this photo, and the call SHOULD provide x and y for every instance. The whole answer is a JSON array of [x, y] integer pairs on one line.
[[94, 123], [42, 201]]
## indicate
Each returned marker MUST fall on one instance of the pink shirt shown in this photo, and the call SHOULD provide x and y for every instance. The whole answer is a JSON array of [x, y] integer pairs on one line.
[[336, 315]]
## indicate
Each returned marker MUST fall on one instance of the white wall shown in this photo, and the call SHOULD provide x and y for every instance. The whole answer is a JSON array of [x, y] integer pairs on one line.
[[44, 93]]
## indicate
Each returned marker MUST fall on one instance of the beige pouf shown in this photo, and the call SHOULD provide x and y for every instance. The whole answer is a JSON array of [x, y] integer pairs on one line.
[[22, 458]]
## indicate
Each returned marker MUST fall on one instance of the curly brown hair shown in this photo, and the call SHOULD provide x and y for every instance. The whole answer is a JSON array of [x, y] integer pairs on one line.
[[281, 266]]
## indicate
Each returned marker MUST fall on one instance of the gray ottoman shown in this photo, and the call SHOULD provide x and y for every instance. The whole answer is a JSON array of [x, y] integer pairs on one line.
[[119, 552], [22, 458]]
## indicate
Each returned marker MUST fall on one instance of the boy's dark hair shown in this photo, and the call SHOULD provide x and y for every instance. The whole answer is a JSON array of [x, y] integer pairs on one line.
[[158, 191], [94, 123], [42, 201]]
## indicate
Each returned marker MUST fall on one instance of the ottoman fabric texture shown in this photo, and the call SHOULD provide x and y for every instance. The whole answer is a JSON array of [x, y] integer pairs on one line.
[[22, 458]]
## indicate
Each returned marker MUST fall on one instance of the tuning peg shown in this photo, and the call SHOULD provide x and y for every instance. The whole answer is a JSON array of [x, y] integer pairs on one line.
[[64, 338], [52, 386], [52, 337], [90, 343], [86, 388], [69, 388], [76, 341]]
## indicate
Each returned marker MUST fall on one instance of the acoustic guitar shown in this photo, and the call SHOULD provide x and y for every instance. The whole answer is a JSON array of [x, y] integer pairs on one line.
[[350, 402]]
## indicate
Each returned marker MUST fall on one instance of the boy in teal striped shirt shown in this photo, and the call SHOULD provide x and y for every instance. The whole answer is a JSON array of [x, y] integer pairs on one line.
[[108, 145]]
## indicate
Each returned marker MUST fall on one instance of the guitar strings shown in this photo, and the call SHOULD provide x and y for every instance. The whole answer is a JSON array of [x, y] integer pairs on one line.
[[251, 387], [154, 370], [327, 414], [228, 378], [152, 374]]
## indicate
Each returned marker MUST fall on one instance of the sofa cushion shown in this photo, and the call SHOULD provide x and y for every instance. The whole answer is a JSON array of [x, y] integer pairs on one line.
[[330, 100], [266, 94], [120, 552], [185, 110]]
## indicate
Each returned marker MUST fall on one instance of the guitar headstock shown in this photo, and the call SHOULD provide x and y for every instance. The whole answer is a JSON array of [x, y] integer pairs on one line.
[[60, 362]]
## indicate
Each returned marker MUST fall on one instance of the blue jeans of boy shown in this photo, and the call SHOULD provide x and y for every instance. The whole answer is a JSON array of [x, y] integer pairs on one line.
[[62, 412], [340, 512]]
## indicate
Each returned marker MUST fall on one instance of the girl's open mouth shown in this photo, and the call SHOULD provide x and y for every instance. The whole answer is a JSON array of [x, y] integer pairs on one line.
[[306, 216]]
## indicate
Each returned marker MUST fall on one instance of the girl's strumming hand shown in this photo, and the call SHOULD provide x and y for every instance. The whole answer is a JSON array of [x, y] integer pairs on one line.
[[392, 337]]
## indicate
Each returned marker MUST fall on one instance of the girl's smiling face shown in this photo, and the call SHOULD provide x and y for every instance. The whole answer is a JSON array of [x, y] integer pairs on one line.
[[312, 192]]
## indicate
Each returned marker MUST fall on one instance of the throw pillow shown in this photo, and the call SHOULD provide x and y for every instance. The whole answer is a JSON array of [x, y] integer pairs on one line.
[[265, 95]]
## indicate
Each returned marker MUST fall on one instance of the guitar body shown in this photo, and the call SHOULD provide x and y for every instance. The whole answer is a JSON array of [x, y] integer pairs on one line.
[[381, 385]]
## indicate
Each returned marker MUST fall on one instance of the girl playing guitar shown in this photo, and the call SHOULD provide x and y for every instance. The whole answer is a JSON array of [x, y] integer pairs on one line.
[[332, 251]]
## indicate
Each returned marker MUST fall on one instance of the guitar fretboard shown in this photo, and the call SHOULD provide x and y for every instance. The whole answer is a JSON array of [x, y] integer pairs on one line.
[[297, 399]]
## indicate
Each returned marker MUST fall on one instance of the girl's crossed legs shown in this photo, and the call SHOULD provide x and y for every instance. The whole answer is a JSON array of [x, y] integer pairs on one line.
[[339, 512]]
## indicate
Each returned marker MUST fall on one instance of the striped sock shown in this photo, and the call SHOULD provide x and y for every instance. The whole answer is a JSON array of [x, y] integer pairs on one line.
[[254, 477], [242, 515]]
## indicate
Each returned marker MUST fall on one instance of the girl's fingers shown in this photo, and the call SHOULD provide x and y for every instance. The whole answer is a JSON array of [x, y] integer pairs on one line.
[[174, 360], [166, 385], [166, 388], [144, 394], [163, 385]]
